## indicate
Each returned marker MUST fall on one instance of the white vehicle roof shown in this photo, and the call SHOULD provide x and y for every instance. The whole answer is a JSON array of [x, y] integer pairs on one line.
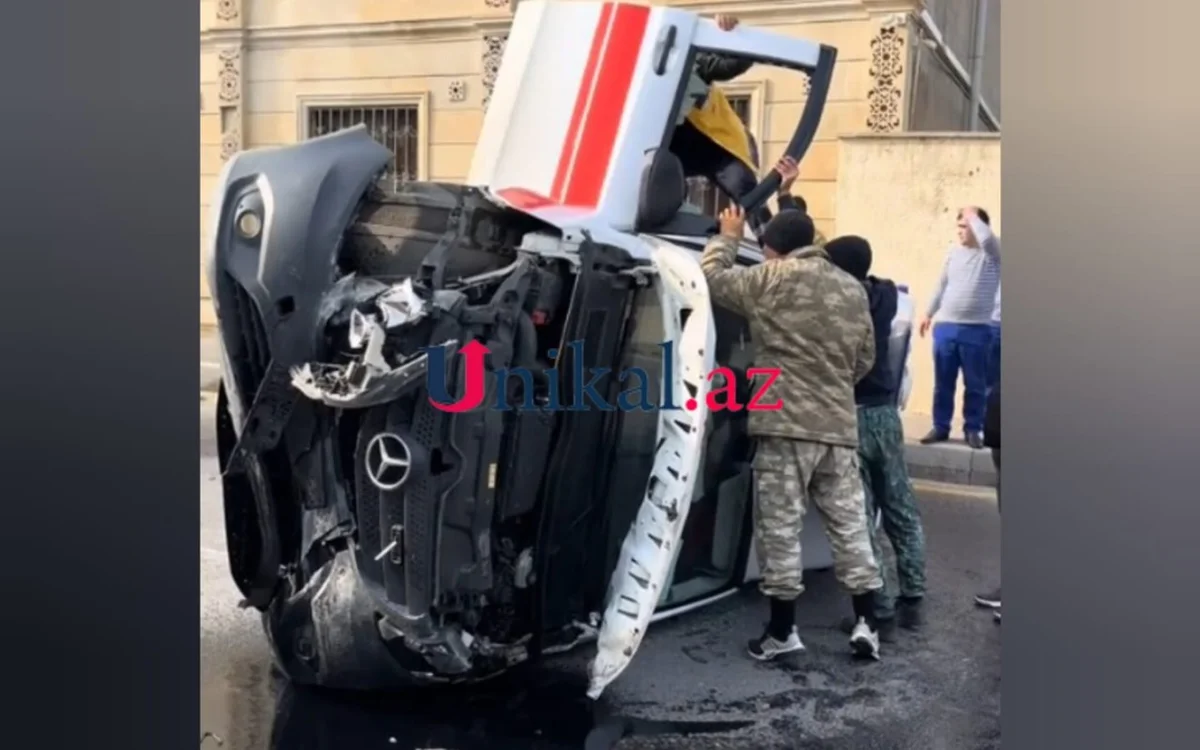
[[587, 90]]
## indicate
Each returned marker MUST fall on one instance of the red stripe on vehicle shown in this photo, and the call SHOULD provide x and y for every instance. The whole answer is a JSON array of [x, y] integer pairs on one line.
[[524, 200], [586, 85], [598, 139]]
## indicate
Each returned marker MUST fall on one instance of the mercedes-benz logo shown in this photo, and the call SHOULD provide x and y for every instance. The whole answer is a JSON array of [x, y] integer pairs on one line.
[[388, 461]]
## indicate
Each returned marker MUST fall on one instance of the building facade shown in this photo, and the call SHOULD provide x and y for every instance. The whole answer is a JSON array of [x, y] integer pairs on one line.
[[418, 73]]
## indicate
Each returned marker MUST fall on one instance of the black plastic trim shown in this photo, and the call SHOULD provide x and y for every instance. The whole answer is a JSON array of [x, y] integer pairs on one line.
[[820, 78]]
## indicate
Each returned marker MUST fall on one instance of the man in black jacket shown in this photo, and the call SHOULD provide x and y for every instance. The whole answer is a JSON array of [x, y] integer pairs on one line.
[[991, 439], [881, 444]]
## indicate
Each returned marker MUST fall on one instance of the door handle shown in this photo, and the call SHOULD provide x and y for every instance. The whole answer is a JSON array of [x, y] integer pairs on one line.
[[663, 49]]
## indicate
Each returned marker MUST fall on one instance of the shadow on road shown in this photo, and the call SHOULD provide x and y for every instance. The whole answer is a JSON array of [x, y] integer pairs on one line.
[[529, 710]]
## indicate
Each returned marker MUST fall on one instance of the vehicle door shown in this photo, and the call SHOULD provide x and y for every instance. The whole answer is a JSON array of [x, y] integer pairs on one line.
[[645, 562]]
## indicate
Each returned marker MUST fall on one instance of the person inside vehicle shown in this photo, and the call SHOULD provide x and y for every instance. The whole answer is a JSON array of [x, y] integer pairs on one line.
[[810, 320], [712, 141], [886, 484]]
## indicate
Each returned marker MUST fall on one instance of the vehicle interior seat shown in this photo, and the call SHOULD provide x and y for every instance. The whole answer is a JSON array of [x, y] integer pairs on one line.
[[662, 199]]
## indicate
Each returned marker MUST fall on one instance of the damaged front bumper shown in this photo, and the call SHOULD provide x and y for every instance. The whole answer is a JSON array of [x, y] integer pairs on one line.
[[369, 380], [424, 543], [317, 365]]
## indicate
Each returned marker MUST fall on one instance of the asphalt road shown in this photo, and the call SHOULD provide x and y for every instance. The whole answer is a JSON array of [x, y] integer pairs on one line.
[[939, 688]]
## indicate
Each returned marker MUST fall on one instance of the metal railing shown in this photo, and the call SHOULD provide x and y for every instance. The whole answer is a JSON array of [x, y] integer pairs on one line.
[[395, 127]]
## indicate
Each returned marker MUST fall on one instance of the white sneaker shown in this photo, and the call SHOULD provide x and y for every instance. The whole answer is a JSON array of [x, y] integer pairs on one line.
[[864, 641], [767, 647]]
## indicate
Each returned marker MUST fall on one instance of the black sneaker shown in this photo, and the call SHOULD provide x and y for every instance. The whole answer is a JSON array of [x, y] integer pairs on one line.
[[990, 600], [975, 440], [768, 647], [909, 613], [864, 641], [935, 436]]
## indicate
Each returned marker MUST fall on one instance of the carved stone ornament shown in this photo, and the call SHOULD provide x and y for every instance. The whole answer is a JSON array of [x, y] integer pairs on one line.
[[230, 77], [228, 10], [457, 90], [231, 143], [493, 53], [887, 66]]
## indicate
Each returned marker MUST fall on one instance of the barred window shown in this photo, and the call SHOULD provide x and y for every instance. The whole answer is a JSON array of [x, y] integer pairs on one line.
[[703, 193], [395, 127]]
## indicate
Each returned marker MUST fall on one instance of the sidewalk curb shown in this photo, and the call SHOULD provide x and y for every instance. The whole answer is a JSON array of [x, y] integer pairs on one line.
[[951, 463]]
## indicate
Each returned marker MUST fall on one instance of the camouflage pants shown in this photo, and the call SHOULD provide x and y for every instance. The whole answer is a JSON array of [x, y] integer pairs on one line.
[[789, 474], [887, 489]]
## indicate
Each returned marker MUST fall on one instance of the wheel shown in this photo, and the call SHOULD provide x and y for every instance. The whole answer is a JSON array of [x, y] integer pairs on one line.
[[395, 230]]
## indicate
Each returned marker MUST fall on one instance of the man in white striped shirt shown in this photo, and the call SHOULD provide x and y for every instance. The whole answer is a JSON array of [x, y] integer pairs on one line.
[[964, 303]]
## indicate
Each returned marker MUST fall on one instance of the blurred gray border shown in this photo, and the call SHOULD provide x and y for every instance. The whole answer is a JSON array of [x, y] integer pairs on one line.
[[1102, 353], [99, 229]]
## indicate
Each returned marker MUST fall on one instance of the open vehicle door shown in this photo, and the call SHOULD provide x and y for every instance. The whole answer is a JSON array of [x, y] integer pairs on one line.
[[577, 134], [650, 545]]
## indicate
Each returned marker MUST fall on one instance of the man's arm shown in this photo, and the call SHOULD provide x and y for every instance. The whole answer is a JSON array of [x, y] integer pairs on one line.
[[935, 302], [788, 171], [712, 67], [987, 239], [866, 352], [732, 287]]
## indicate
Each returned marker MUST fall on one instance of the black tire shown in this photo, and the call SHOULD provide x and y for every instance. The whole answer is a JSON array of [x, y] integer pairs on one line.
[[396, 229]]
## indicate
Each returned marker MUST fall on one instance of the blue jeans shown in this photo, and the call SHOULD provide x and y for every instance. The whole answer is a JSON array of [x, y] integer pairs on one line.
[[993, 366], [960, 346]]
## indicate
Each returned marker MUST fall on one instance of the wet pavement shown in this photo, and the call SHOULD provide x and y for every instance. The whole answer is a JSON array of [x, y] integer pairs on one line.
[[689, 687]]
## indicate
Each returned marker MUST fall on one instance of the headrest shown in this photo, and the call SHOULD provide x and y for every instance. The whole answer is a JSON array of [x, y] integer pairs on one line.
[[663, 189]]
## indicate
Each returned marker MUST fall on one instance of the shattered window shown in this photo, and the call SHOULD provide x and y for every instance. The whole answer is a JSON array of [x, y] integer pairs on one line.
[[395, 127], [702, 193]]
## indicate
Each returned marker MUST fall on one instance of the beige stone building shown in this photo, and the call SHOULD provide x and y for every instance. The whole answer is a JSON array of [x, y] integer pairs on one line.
[[418, 73]]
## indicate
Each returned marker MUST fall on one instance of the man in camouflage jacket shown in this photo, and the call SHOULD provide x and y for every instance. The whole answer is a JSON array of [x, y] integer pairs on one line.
[[810, 320]]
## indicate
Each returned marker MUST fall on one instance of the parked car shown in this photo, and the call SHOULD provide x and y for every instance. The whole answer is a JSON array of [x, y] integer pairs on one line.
[[388, 541]]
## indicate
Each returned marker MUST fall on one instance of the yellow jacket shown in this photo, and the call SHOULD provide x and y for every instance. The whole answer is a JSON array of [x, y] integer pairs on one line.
[[717, 120]]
